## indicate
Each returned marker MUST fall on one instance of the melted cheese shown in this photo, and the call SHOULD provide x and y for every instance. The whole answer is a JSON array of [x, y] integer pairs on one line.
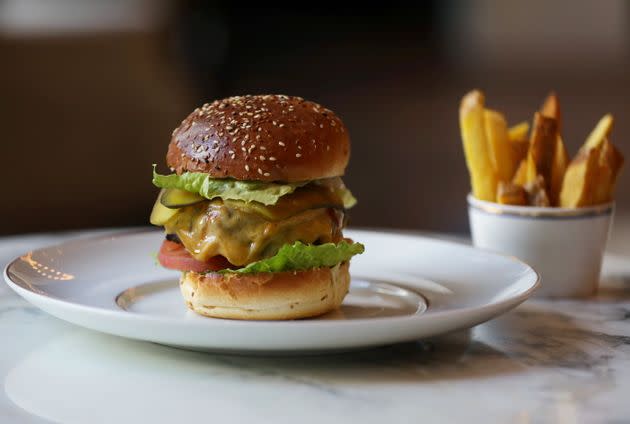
[[244, 235]]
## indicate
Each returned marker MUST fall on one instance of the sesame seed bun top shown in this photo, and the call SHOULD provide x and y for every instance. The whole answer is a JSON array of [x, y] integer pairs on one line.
[[264, 138]]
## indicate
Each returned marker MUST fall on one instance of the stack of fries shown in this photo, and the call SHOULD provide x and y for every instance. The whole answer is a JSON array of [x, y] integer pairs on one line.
[[509, 167]]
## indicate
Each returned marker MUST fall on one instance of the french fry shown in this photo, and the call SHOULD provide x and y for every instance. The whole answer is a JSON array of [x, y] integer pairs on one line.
[[537, 192], [541, 149], [558, 168], [580, 178], [609, 164], [530, 170], [520, 144], [614, 160], [560, 160], [482, 173], [519, 152], [551, 108], [519, 131], [600, 132], [499, 145], [520, 177], [603, 165], [511, 194]]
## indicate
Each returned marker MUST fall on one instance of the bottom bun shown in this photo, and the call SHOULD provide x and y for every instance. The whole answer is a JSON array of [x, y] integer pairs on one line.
[[266, 296]]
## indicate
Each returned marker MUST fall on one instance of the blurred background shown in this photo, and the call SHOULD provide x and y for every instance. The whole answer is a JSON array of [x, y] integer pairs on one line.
[[91, 91]]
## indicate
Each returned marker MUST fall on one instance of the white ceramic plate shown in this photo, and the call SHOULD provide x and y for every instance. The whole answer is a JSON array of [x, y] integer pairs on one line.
[[403, 288]]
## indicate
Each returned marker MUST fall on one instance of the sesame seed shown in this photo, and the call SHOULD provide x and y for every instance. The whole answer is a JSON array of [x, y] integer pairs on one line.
[[321, 125], [260, 171], [271, 158], [327, 148], [231, 152], [281, 143], [266, 174], [298, 155], [262, 157], [281, 125], [263, 148], [247, 168]]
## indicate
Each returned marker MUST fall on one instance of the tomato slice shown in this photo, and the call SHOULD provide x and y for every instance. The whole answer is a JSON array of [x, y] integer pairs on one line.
[[174, 256]]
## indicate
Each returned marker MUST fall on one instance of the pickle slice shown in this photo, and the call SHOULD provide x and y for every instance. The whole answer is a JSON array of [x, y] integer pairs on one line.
[[160, 213], [175, 198], [303, 199]]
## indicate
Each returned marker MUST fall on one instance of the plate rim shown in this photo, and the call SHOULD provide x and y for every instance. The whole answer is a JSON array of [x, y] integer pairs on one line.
[[508, 302]]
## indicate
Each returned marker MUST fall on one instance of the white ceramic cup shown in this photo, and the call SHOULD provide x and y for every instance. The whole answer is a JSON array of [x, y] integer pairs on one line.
[[565, 246]]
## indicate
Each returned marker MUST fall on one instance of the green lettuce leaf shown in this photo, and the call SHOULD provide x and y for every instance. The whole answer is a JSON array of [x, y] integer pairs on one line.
[[210, 188], [300, 256]]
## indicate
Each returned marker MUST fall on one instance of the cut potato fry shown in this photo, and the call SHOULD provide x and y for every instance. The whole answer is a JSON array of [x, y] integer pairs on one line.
[[560, 160], [520, 177], [600, 132], [499, 145], [511, 194], [541, 149], [551, 108], [519, 131], [558, 168], [609, 166], [520, 143], [579, 179], [537, 192], [519, 152], [482, 174]]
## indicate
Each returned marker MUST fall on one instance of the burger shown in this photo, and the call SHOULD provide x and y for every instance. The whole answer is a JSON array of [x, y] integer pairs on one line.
[[254, 207]]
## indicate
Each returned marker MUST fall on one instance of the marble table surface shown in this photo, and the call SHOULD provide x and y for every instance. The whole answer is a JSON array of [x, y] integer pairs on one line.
[[545, 362]]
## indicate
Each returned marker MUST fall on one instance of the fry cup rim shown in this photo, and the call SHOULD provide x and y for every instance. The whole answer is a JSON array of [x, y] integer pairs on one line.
[[539, 212]]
